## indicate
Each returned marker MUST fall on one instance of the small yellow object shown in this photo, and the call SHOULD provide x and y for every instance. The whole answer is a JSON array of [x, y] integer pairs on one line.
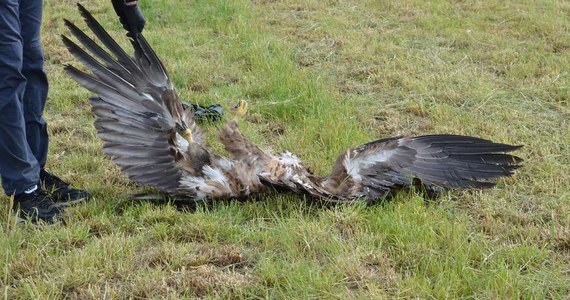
[[241, 108], [187, 134]]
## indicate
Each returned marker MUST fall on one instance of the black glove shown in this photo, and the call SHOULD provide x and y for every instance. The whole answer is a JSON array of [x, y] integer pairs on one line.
[[130, 15]]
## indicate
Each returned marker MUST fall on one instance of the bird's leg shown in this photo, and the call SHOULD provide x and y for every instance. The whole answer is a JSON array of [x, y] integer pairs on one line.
[[240, 109]]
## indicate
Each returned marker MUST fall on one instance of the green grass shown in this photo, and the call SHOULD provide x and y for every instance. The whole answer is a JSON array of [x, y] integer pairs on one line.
[[322, 76]]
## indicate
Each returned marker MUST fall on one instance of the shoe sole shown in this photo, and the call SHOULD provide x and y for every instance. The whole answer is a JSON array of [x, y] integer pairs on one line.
[[54, 222], [67, 203]]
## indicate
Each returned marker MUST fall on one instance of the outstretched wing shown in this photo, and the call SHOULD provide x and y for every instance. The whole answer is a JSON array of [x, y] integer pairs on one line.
[[143, 124], [439, 162], [372, 170], [137, 108]]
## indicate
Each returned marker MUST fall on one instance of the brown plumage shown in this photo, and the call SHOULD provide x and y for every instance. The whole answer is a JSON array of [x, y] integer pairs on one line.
[[156, 142]]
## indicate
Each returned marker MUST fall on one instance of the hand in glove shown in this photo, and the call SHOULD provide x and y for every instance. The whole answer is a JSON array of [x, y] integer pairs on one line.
[[130, 15]]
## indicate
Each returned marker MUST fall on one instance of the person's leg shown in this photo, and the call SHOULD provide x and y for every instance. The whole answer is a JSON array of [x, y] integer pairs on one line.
[[35, 97], [35, 94], [18, 167]]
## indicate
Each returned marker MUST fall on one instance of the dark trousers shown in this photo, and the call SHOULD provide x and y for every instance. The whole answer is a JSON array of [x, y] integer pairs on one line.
[[23, 94]]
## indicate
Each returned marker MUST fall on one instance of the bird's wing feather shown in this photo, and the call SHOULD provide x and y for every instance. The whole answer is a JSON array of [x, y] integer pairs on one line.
[[439, 162], [136, 106], [372, 170], [145, 144], [139, 116]]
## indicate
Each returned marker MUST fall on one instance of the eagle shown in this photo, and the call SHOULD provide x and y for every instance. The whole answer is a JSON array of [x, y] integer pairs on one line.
[[156, 142]]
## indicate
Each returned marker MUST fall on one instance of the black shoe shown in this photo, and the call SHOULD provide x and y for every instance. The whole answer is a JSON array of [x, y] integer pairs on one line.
[[61, 192], [36, 205]]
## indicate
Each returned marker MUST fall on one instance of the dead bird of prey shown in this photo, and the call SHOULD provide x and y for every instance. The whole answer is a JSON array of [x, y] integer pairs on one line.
[[156, 142]]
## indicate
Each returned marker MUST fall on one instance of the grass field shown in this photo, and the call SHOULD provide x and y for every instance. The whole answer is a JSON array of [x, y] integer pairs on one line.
[[321, 76]]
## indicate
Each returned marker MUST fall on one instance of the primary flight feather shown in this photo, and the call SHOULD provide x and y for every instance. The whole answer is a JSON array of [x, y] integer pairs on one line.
[[155, 141]]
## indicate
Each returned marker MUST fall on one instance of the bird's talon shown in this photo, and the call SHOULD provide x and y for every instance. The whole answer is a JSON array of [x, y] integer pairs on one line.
[[240, 108]]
